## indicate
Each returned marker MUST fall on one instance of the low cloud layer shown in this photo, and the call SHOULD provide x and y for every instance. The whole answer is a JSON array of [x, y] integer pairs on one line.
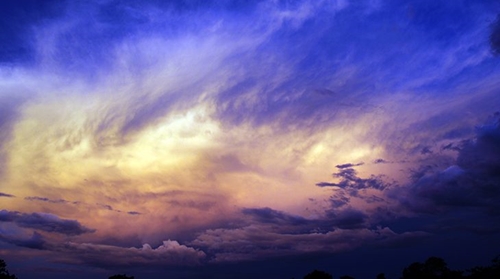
[[169, 253]]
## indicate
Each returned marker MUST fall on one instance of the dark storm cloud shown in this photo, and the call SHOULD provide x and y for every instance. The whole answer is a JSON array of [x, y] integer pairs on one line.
[[36, 241], [44, 222], [6, 195], [349, 218], [349, 180], [482, 155], [464, 196], [279, 222], [421, 171], [256, 242], [474, 182]]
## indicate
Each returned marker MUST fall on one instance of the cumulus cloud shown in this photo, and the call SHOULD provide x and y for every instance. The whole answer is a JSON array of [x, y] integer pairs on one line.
[[45, 222], [170, 252]]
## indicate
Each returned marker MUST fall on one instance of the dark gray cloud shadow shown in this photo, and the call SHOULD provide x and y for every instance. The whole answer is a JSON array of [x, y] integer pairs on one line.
[[36, 241], [45, 222]]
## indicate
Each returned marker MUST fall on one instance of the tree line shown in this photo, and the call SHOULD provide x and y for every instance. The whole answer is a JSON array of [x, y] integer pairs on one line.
[[432, 268]]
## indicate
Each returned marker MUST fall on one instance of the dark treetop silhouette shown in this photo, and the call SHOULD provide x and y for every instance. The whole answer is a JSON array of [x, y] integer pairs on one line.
[[119, 276], [318, 274], [4, 273], [432, 268]]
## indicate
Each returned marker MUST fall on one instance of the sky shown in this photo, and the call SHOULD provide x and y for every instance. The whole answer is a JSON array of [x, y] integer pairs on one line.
[[248, 139]]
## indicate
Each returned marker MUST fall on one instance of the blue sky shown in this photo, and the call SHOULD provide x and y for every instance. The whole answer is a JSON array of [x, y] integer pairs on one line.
[[249, 138]]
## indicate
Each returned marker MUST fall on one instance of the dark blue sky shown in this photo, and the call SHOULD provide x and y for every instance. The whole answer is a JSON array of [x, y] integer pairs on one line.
[[250, 139]]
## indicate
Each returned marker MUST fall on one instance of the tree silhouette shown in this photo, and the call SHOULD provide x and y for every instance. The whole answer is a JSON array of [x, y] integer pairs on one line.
[[318, 274], [4, 273], [381, 276], [120, 276], [432, 268], [481, 272]]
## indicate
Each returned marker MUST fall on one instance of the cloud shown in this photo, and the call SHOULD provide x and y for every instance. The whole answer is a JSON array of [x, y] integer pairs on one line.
[[268, 215], [169, 253], [495, 36], [349, 180], [92, 206], [326, 184], [199, 205], [348, 218], [10, 103], [17, 36], [482, 155], [254, 242], [21, 239], [45, 222], [140, 106], [133, 213], [349, 165], [471, 183], [6, 195], [46, 200]]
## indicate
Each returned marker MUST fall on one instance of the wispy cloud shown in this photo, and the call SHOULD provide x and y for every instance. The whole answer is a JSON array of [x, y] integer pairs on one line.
[[211, 123]]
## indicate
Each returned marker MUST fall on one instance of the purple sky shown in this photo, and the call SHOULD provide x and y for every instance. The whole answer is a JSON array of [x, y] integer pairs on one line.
[[248, 139]]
